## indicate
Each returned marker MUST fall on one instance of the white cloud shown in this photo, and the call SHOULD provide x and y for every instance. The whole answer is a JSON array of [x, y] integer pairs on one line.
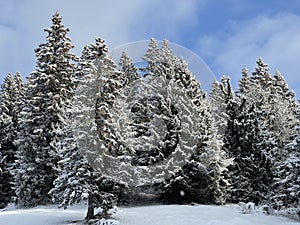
[[117, 21], [274, 38]]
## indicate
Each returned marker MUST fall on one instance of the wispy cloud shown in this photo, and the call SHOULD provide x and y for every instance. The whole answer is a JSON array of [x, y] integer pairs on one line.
[[274, 38], [116, 21], [231, 33]]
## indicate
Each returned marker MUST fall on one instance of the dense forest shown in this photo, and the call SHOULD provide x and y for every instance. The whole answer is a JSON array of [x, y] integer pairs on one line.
[[90, 128]]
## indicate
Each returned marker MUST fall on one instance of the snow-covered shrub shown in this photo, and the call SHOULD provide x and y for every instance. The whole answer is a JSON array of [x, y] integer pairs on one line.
[[293, 213], [247, 208], [103, 222]]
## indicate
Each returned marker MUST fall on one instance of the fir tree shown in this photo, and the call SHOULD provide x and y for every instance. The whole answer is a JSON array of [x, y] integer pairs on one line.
[[286, 192], [286, 188], [284, 108], [111, 82], [272, 95], [11, 91], [46, 92], [261, 122], [251, 146], [79, 179], [221, 93], [200, 179], [244, 82], [128, 68]]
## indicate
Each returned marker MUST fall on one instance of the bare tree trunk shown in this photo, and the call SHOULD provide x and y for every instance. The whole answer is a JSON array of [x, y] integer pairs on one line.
[[90, 211]]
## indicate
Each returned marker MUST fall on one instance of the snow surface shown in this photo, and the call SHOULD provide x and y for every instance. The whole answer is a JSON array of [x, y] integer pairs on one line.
[[146, 215], [41, 215]]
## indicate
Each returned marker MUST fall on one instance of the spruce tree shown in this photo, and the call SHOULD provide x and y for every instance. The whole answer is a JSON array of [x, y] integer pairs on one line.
[[286, 188], [200, 179], [128, 68], [244, 82], [252, 136], [11, 90], [169, 115], [77, 179], [285, 119], [111, 80], [276, 113], [250, 144], [221, 93], [46, 92], [272, 95], [286, 191]]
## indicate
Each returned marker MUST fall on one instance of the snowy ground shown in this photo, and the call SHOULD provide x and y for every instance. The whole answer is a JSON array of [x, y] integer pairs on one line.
[[147, 215]]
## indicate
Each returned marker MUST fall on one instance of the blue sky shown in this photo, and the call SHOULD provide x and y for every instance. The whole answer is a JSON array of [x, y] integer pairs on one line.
[[226, 34]]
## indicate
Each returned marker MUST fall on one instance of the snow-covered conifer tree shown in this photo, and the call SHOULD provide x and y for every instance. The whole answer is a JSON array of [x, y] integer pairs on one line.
[[286, 192], [112, 81], [46, 92], [261, 122], [11, 90], [244, 82], [220, 95], [272, 95], [78, 180], [128, 68], [200, 179], [286, 188], [250, 138], [284, 108], [250, 144]]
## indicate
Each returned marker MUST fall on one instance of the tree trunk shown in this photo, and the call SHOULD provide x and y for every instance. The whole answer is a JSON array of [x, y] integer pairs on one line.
[[90, 211]]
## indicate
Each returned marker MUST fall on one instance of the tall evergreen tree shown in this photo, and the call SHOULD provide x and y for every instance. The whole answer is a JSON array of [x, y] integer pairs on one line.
[[250, 144], [77, 179], [244, 82], [272, 95], [286, 188], [46, 92], [169, 94], [286, 192], [285, 119], [128, 68], [11, 90], [112, 81], [259, 122], [200, 179], [221, 93]]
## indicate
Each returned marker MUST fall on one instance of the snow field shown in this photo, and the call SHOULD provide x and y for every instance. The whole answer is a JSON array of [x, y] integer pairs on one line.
[[146, 215], [195, 215]]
